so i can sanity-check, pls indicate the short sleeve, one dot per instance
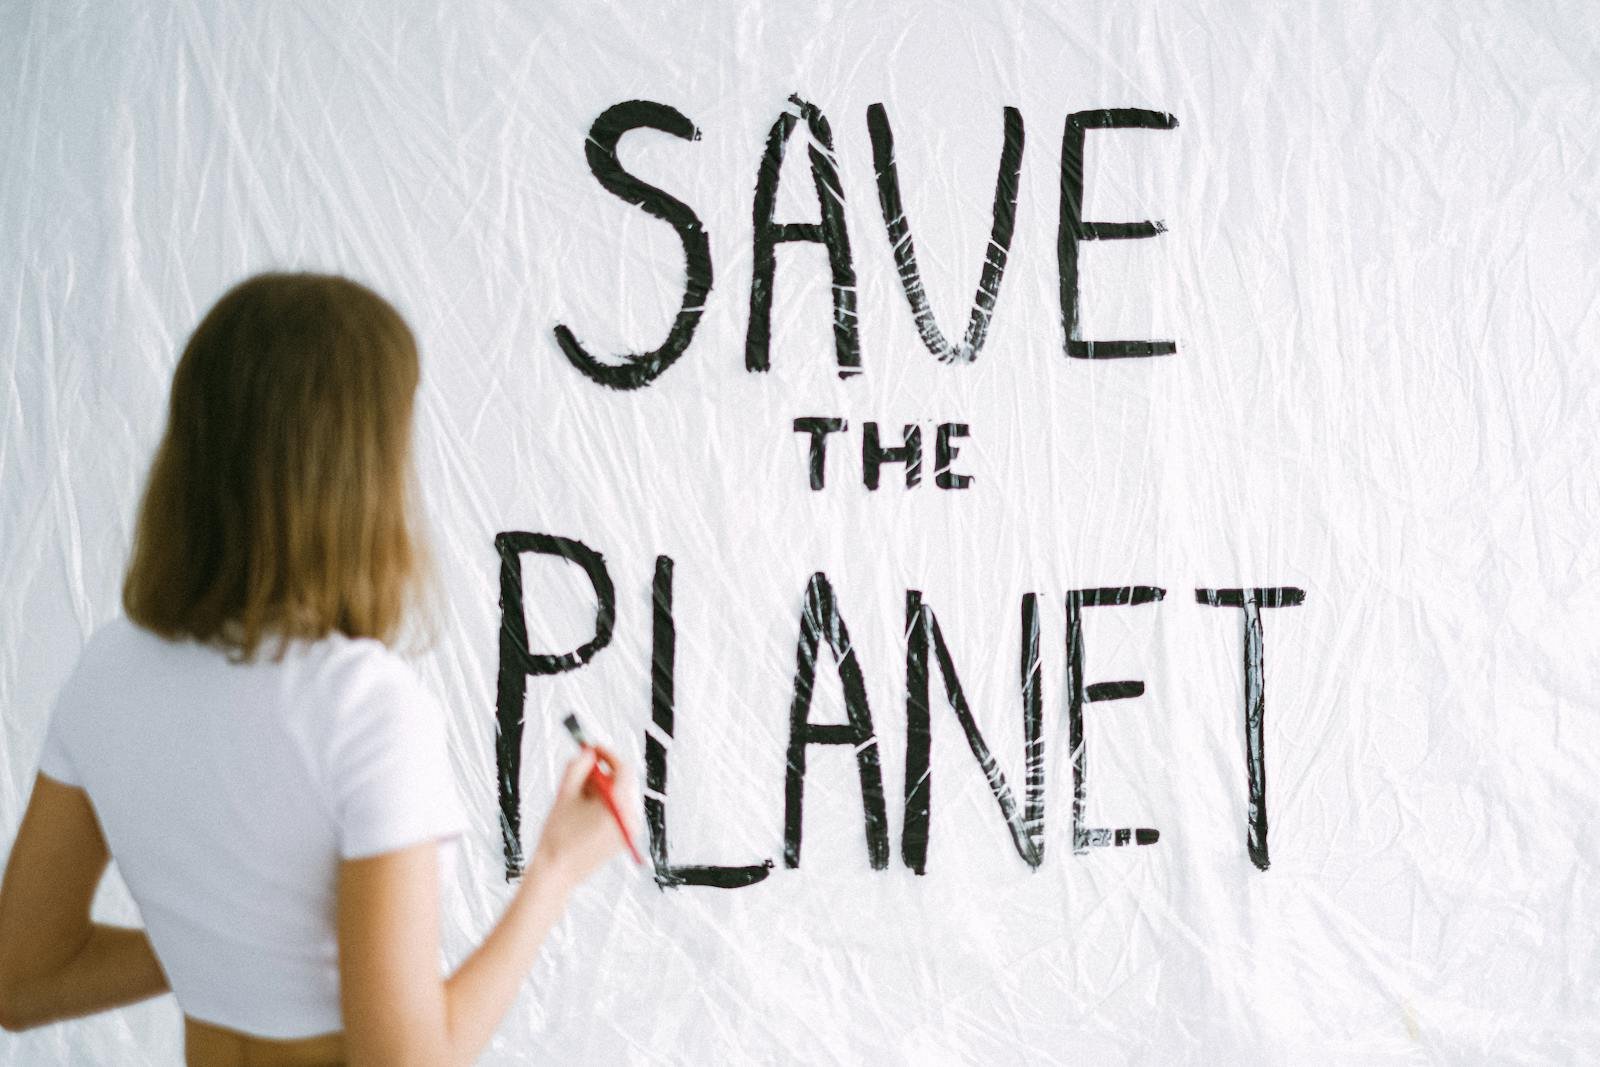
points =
(55, 760)
(390, 778)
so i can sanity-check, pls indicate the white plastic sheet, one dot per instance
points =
(1379, 266)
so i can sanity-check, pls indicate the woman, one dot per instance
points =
(271, 777)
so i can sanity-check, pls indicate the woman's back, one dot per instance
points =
(229, 791)
(275, 818)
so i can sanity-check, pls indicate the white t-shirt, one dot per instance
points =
(228, 792)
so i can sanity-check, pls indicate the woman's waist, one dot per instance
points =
(212, 1045)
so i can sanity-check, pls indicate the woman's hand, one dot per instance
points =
(579, 833)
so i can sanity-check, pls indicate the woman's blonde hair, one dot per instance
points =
(282, 497)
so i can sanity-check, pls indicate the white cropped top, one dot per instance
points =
(228, 793)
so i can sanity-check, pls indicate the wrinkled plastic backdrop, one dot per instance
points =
(1381, 267)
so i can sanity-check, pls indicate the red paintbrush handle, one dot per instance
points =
(602, 782)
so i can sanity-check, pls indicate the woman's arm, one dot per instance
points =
(397, 1009)
(55, 963)
(115, 967)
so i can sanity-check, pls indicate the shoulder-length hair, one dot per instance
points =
(281, 499)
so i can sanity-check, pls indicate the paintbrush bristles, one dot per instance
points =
(571, 723)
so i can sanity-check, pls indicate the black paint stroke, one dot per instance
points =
(1031, 677)
(829, 231)
(923, 632)
(1074, 229)
(517, 661)
(819, 621)
(640, 369)
(945, 455)
(874, 455)
(898, 227)
(819, 428)
(1079, 694)
(1255, 697)
(663, 655)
